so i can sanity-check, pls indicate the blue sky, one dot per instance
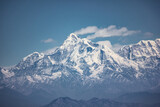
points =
(38, 25)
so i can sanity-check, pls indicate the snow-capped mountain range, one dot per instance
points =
(81, 64)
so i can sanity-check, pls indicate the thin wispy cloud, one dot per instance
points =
(49, 40)
(50, 51)
(116, 47)
(87, 30)
(148, 34)
(109, 31)
(107, 43)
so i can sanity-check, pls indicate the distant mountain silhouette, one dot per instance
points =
(94, 102)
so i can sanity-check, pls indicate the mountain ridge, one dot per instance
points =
(80, 67)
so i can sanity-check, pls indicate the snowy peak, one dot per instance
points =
(7, 73)
(70, 42)
(74, 40)
(30, 59)
(144, 48)
(72, 37)
(157, 41)
(33, 56)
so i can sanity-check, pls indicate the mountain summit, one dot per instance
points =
(80, 67)
(72, 37)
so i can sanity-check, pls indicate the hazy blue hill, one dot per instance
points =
(94, 102)
(65, 102)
